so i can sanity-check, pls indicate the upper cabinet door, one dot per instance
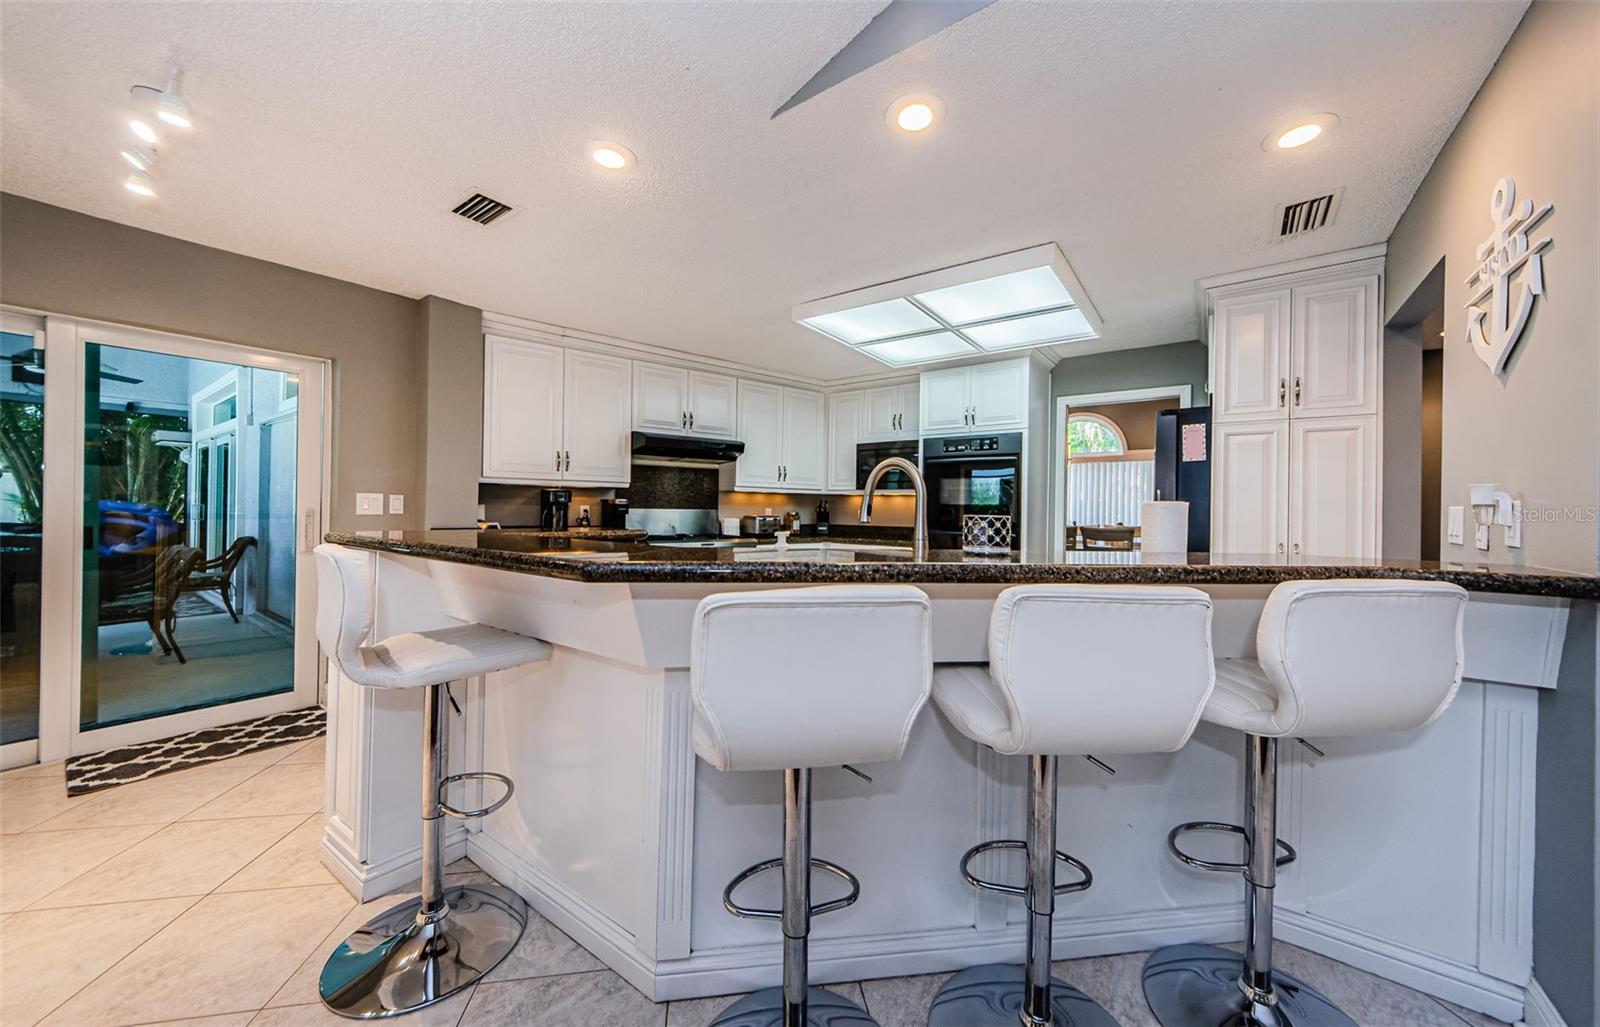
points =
(846, 417)
(1000, 395)
(660, 398)
(946, 400)
(521, 410)
(596, 447)
(1249, 486)
(1333, 487)
(882, 414)
(1250, 352)
(713, 400)
(804, 441)
(761, 431)
(1333, 358)
(908, 406)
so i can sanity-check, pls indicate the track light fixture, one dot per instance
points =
(153, 112)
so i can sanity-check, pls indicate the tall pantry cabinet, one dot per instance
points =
(1295, 379)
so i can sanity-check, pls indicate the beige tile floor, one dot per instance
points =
(198, 898)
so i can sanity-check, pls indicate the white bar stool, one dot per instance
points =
(430, 947)
(790, 680)
(1353, 657)
(1073, 670)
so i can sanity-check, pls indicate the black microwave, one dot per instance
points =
(871, 454)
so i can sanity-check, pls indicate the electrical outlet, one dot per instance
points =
(1480, 535)
(1513, 537)
(1457, 522)
(369, 504)
(397, 504)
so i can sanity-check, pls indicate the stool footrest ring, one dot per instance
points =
(1012, 889)
(470, 814)
(820, 908)
(1289, 855)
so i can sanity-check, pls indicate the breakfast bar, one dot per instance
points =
(622, 838)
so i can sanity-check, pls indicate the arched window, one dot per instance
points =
(1094, 435)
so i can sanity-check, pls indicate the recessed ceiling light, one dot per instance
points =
(611, 156)
(915, 113)
(140, 184)
(1300, 133)
(140, 158)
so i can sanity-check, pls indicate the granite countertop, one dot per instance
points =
(588, 559)
(595, 534)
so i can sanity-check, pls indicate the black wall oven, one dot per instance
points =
(972, 474)
(871, 454)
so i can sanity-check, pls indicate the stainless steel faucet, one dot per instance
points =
(919, 531)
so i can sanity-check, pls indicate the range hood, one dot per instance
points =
(649, 448)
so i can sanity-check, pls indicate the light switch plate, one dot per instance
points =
(397, 504)
(369, 504)
(1457, 522)
(1513, 538)
(1480, 535)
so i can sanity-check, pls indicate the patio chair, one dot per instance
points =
(217, 575)
(173, 566)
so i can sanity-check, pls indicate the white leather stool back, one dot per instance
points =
(344, 605)
(1359, 656)
(809, 677)
(1100, 668)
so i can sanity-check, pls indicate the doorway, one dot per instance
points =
(1413, 429)
(175, 539)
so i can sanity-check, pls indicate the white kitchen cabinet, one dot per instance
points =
(522, 392)
(1249, 487)
(891, 413)
(683, 402)
(713, 403)
(1250, 341)
(1333, 487)
(991, 397)
(1333, 348)
(555, 416)
(785, 438)
(595, 434)
(847, 418)
(760, 466)
(804, 440)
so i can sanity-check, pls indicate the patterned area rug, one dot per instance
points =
(136, 762)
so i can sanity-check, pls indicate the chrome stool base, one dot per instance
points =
(1198, 986)
(393, 964)
(991, 996)
(764, 1008)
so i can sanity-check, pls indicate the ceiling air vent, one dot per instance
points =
(481, 208)
(1296, 219)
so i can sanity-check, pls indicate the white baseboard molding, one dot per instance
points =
(367, 881)
(1540, 1011)
(1427, 973)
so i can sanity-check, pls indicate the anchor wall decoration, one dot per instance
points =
(1500, 257)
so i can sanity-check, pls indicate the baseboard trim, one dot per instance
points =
(1539, 1010)
(1427, 973)
(367, 881)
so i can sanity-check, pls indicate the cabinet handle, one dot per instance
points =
(1296, 390)
(1280, 548)
(1297, 548)
(1283, 392)
(683, 419)
(558, 461)
(691, 420)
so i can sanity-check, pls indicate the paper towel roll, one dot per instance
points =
(1164, 527)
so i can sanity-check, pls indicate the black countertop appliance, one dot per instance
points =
(1183, 467)
(553, 504)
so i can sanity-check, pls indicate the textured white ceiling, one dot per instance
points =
(336, 138)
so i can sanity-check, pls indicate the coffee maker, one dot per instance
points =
(553, 505)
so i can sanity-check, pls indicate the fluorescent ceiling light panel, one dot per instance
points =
(1036, 330)
(1037, 288)
(1013, 301)
(919, 349)
(876, 321)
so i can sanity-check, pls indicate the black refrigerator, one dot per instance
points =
(1183, 467)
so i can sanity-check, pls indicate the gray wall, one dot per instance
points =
(68, 263)
(1177, 363)
(1402, 443)
(1536, 431)
(450, 340)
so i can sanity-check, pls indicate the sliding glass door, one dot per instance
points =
(21, 534)
(178, 538)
